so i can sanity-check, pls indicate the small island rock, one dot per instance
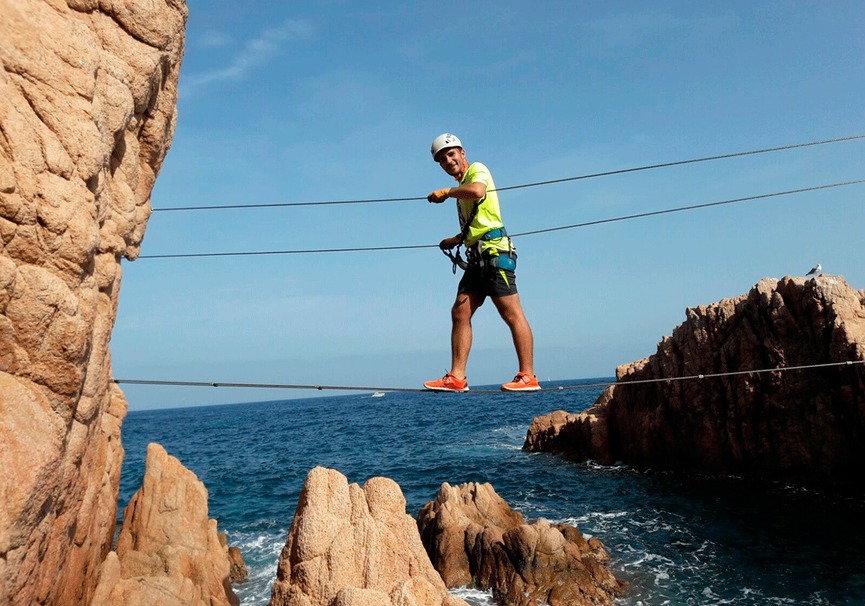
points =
(475, 539)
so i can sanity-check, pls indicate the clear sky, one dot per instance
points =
(332, 100)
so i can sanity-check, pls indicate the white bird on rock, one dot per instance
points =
(815, 270)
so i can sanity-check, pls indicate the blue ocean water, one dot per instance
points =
(674, 540)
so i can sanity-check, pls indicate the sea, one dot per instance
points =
(674, 539)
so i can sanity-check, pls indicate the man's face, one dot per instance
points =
(452, 160)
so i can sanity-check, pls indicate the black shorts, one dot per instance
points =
(488, 280)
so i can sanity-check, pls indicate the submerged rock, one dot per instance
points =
(353, 546)
(805, 425)
(475, 539)
(168, 552)
(238, 572)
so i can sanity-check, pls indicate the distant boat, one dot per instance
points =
(377, 394)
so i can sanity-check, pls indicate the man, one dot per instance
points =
(490, 270)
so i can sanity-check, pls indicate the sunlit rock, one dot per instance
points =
(697, 405)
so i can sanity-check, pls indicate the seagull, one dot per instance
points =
(815, 270)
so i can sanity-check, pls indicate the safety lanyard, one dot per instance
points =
(465, 230)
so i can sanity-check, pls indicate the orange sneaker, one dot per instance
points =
(522, 382)
(448, 383)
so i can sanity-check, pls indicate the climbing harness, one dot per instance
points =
(501, 260)
(456, 259)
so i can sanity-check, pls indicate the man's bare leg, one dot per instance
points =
(511, 311)
(464, 308)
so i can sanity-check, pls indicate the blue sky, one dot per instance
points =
(332, 100)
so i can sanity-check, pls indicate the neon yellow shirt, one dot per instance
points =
(489, 215)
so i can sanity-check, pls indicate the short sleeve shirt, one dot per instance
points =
(489, 215)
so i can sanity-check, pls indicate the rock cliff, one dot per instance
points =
(805, 425)
(168, 551)
(353, 546)
(88, 92)
(475, 539)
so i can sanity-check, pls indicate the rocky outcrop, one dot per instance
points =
(451, 526)
(353, 546)
(805, 425)
(237, 572)
(475, 539)
(168, 551)
(87, 111)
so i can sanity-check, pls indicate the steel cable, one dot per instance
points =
(527, 233)
(608, 173)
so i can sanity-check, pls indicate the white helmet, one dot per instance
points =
(444, 141)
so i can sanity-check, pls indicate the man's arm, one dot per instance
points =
(469, 191)
(452, 242)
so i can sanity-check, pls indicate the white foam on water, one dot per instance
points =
(474, 597)
(514, 447)
(261, 553)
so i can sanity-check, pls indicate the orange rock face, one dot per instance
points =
(802, 425)
(169, 551)
(87, 111)
(475, 539)
(353, 546)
